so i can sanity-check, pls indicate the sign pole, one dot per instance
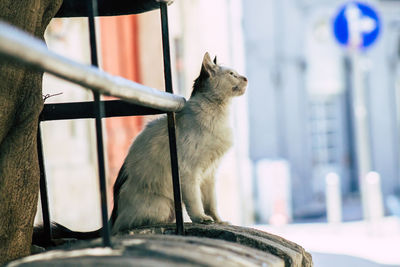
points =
(361, 127)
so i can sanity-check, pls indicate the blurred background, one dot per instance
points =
(317, 134)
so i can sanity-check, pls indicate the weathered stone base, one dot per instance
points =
(203, 245)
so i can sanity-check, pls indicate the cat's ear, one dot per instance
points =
(208, 67)
(215, 60)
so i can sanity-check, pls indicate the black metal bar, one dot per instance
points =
(99, 113)
(77, 8)
(85, 110)
(43, 191)
(171, 122)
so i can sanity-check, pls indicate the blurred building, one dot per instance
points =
(300, 100)
(69, 146)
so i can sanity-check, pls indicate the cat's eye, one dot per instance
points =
(233, 74)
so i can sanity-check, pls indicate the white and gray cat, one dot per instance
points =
(143, 193)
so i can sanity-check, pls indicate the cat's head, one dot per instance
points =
(218, 82)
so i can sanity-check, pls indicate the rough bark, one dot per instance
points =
(20, 106)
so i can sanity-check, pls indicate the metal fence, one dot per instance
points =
(137, 99)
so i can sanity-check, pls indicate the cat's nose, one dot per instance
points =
(244, 79)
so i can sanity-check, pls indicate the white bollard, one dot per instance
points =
(374, 196)
(333, 198)
(274, 192)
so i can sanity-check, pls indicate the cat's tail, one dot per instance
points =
(60, 232)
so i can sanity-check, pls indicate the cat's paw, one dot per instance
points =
(222, 222)
(205, 219)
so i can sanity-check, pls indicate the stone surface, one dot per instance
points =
(202, 245)
(291, 253)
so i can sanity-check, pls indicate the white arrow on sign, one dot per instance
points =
(358, 24)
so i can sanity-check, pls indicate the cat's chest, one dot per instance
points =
(210, 138)
(217, 138)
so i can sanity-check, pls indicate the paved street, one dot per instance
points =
(347, 244)
(335, 260)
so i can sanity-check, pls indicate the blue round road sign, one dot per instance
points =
(356, 25)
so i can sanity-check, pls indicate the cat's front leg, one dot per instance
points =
(209, 198)
(191, 195)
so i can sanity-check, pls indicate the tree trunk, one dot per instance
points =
(20, 105)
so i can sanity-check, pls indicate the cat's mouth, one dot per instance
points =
(239, 90)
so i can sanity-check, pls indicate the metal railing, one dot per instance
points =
(21, 47)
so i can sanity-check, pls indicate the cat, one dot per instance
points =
(143, 193)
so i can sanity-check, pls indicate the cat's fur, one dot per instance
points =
(143, 192)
